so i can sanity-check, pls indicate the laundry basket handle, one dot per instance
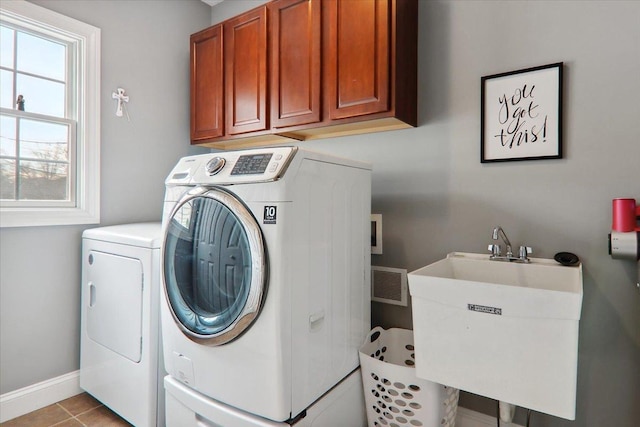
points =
(375, 334)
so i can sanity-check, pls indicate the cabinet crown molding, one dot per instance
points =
(212, 2)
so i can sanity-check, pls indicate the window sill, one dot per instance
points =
(16, 217)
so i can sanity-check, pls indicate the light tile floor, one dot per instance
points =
(77, 411)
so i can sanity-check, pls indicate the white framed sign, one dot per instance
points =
(521, 115)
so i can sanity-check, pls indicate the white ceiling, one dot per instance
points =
(212, 2)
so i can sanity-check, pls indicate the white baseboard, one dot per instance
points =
(468, 418)
(36, 396)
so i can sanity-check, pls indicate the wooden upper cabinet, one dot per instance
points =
(207, 90)
(245, 51)
(305, 69)
(295, 42)
(357, 57)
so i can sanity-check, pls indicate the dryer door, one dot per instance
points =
(214, 266)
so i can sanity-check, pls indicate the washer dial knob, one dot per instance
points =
(215, 165)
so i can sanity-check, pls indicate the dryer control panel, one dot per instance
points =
(236, 167)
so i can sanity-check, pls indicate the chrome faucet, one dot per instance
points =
(496, 249)
(499, 232)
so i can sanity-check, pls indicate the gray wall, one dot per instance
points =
(428, 182)
(145, 49)
(436, 197)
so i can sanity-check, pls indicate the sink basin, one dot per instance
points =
(505, 330)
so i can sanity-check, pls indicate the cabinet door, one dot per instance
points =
(207, 90)
(245, 50)
(295, 62)
(358, 57)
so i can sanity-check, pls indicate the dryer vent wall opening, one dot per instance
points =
(389, 285)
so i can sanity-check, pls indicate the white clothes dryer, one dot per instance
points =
(266, 273)
(120, 350)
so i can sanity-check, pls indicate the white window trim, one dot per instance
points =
(87, 206)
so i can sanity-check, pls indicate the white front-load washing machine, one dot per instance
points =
(266, 273)
(120, 350)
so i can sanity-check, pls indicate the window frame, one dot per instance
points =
(72, 137)
(86, 172)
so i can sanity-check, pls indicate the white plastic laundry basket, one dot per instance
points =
(394, 396)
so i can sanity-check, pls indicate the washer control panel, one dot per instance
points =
(233, 167)
(252, 164)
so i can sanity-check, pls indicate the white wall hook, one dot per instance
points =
(122, 98)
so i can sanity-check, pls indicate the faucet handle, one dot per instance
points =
(525, 251)
(496, 250)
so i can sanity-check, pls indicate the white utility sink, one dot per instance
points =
(505, 330)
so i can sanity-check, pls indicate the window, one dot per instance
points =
(49, 118)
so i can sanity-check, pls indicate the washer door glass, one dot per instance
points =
(214, 266)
